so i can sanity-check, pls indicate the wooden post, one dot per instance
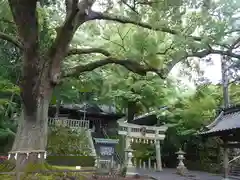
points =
(225, 161)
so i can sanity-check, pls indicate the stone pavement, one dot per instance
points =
(170, 174)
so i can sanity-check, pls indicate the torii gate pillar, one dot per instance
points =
(158, 156)
(127, 144)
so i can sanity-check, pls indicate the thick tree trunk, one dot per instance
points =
(41, 73)
(31, 138)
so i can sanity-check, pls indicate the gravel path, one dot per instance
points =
(170, 174)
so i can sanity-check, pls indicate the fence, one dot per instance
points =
(72, 123)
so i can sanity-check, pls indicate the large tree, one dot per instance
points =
(41, 71)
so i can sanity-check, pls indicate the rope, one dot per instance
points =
(28, 151)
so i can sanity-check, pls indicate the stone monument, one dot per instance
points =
(181, 169)
(130, 168)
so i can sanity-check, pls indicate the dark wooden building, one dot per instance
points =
(99, 116)
(227, 127)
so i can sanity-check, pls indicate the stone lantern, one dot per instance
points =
(130, 169)
(181, 169)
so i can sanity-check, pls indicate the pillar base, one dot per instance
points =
(182, 170)
(131, 171)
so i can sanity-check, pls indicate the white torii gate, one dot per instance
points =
(146, 134)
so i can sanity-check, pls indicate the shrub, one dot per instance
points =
(123, 172)
(84, 161)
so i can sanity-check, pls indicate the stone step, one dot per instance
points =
(234, 177)
(235, 174)
(235, 169)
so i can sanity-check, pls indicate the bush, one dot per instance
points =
(84, 161)
(65, 141)
(52, 176)
(123, 172)
(6, 166)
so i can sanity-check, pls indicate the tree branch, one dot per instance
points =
(76, 14)
(149, 3)
(71, 5)
(127, 63)
(133, 8)
(136, 67)
(225, 53)
(7, 21)
(87, 51)
(25, 17)
(171, 47)
(66, 32)
(102, 16)
(201, 54)
(116, 43)
(235, 44)
(11, 39)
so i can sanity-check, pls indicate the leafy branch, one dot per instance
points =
(77, 51)
(142, 69)
(124, 20)
(11, 39)
(129, 64)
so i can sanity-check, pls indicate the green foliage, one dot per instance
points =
(190, 114)
(6, 166)
(67, 141)
(123, 172)
(83, 161)
(146, 151)
(42, 171)
(9, 93)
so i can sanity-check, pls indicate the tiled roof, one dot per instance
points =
(226, 120)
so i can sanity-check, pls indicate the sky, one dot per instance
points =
(211, 72)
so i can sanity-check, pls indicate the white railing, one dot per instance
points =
(72, 123)
(234, 159)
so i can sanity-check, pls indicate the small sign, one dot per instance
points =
(78, 167)
(106, 151)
